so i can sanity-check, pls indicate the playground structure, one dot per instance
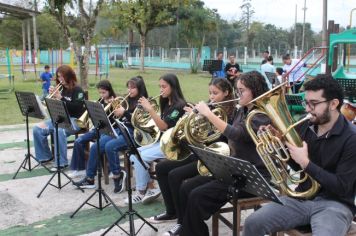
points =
(6, 72)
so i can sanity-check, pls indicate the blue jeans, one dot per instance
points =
(326, 217)
(78, 156)
(148, 154)
(44, 94)
(42, 150)
(111, 146)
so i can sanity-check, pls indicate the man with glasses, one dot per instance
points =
(328, 155)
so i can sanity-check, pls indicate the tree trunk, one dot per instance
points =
(142, 54)
(83, 63)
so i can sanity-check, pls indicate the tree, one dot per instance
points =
(197, 22)
(247, 12)
(145, 15)
(83, 21)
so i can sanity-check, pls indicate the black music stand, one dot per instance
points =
(102, 126)
(60, 119)
(212, 65)
(272, 77)
(240, 175)
(29, 107)
(130, 211)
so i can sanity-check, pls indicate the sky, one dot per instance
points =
(282, 12)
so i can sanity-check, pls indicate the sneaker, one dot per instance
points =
(119, 182)
(77, 174)
(85, 183)
(151, 195)
(175, 231)
(54, 168)
(136, 198)
(162, 218)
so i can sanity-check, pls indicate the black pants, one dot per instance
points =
(204, 200)
(170, 176)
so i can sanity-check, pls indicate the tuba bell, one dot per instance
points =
(271, 148)
(146, 131)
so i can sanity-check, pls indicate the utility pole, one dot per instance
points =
(303, 34)
(325, 20)
(295, 26)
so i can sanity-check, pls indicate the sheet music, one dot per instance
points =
(43, 109)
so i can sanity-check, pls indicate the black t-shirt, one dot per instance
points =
(233, 68)
(74, 99)
(171, 114)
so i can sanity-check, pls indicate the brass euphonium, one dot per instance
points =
(271, 148)
(146, 131)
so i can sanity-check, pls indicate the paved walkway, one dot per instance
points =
(22, 213)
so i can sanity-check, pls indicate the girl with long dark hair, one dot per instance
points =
(171, 103)
(111, 146)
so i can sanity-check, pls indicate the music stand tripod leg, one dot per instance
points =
(99, 190)
(28, 155)
(130, 212)
(59, 170)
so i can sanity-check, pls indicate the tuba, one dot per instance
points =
(146, 131)
(271, 148)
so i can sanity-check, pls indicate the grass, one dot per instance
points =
(194, 86)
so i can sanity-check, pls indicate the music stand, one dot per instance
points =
(271, 77)
(60, 119)
(102, 126)
(240, 175)
(130, 211)
(29, 107)
(212, 65)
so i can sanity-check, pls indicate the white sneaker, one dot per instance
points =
(151, 195)
(136, 198)
(76, 174)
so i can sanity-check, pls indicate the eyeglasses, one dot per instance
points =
(312, 105)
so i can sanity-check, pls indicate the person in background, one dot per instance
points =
(46, 78)
(265, 55)
(294, 68)
(268, 67)
(221, 72)
(232, 70)
(279, 73)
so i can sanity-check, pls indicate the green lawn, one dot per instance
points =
(194, 87)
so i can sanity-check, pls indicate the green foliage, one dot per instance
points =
(11, 33)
